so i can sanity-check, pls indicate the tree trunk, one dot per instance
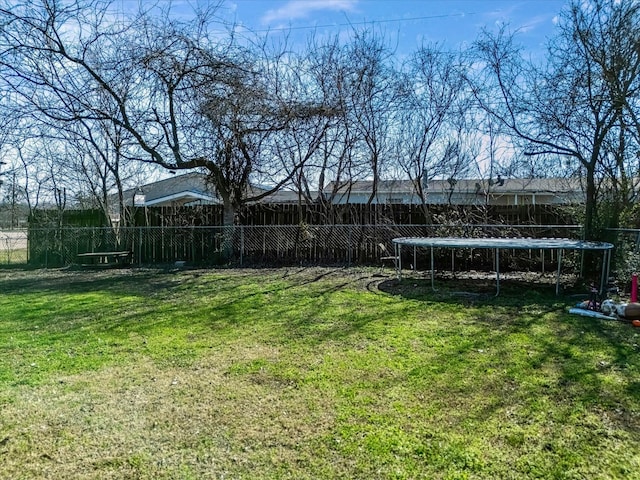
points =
(591, 207)
(228, 229)
(590, 265)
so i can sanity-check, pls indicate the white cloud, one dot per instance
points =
(533, 23)
(304, 8)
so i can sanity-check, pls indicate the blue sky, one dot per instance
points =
(406, 24)
(452, 23)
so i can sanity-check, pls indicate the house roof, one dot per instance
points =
(180, 189)
(280, 196)
(508, 185)
(511, 185)
(193, 188)
(365, 186)
(509, 191)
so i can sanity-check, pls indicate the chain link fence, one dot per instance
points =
(278, 245)
(13, 247)
(627, 251)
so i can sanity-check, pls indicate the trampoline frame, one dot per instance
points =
(496, 244)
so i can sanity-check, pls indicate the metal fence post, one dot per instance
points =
(241, 243)
(349, 248)
(46, 254)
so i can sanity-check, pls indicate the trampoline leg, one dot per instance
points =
(558, 274)
(399, 260)
(433, 287)
(606, 265)
(453, 262)
(497, 260)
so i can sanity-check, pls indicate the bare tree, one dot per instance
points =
(27, 155)
(607, 32)
(262, 123)
(566, 108)
(431, 119)
(189, 100)
(357, 78)
(99, 166)
(337, 161)
(370, 98)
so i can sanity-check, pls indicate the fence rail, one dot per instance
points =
(273, 245)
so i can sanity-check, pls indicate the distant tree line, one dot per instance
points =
(93, 101)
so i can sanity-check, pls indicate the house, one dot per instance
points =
(179, 190)
(192, 189)
(359, 192)
(504, 192)
(397, 199)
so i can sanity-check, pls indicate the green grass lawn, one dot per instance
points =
(16, 256)
(307, 373)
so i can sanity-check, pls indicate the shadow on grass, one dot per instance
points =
(171, 291)
(77, 281)
(522, 343)
(579, 363)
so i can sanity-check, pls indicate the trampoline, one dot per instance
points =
(496, 244)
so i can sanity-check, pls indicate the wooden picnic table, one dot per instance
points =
(122, 257)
